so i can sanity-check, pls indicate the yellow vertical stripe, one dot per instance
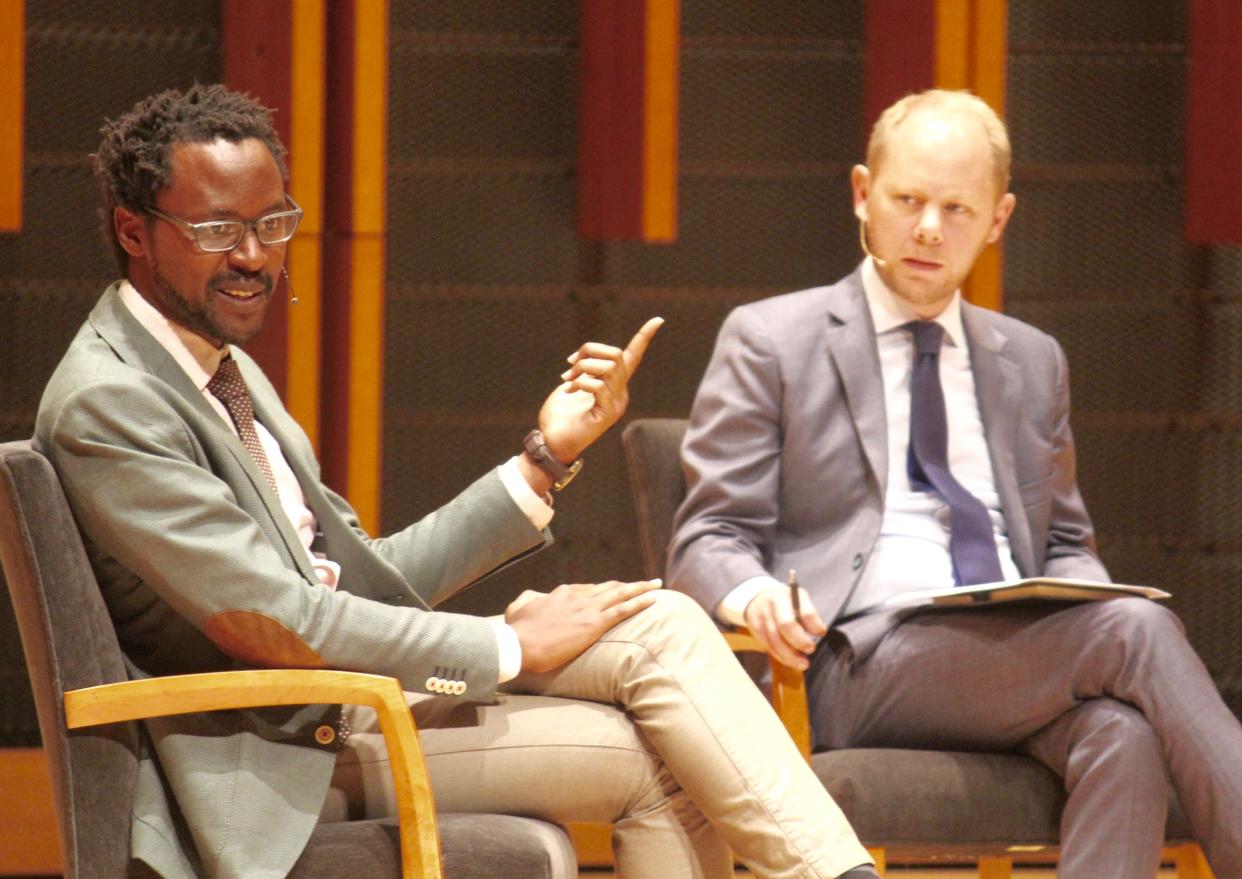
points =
(952, 48)
(12, 112)
(306, 182)
(970, 54)
(660, 87)
(988, 52)
(367, 274)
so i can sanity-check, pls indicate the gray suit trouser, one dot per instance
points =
(1107, 694)
(655, 729)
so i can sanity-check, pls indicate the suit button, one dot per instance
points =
(433, 684)
(325, 734)
(858, 560)
(459, 687)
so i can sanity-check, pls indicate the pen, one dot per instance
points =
(794, 595)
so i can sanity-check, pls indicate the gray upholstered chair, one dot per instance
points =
(906, 805)
(88, 710)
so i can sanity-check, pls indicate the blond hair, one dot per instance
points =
(960, 101)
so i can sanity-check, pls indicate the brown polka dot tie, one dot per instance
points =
(229, 388)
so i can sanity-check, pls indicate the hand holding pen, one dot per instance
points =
(788, 626)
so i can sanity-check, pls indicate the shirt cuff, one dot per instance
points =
(536, 508)
(732, 608)
(509, 649)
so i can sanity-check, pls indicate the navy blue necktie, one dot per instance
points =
(971, 541)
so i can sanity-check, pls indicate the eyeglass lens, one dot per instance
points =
(226, 234)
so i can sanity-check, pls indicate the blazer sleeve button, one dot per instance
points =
(325, 734)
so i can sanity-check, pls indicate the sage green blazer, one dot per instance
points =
(202, 571)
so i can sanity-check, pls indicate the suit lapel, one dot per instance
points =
(852, 349)
(135, 346)
(998, 388)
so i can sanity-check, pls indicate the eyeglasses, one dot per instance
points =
(218, 236)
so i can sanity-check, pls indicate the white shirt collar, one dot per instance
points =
(194, 353)
(889, 311)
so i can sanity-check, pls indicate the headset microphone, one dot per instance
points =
(862, 239)
(293, 297)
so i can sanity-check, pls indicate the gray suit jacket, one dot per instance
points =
(202, 571)
(786, 452)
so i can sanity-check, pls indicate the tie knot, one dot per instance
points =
(927, 336)
(227, 384)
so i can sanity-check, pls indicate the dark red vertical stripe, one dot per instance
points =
(257, 46)
(900, 53)
(1213, 169)
(611, 118)
(337, 258)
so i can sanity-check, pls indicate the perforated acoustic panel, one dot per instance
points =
(85, 60)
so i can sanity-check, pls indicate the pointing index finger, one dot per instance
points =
(638, 345)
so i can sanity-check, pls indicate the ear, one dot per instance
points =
(132, 231)
(1000, 217)
(860, 183)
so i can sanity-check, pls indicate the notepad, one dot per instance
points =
(1033, 588)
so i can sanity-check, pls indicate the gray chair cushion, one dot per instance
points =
(899, 797)
(473, 846)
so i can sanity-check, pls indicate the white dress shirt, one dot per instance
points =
(200, 360)
(912, 551)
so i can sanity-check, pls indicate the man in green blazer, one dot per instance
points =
(217, 546)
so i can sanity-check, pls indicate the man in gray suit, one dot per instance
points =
(881, 436)
(216, 545)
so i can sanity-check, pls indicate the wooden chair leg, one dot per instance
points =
(881, 862)
(995, 868)
(1189, 861)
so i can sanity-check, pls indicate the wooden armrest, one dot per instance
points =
(788, 690)
(182, 694)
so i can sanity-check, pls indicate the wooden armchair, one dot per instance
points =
(905, 805)
(87, 709)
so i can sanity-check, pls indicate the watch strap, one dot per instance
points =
(562, 474)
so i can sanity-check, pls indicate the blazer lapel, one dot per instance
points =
(998, 388)
(135, 346)
(851, 347)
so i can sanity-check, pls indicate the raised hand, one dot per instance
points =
(556, 626)
(593, 394)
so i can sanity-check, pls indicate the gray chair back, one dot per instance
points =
(69, 643)
(653, 458)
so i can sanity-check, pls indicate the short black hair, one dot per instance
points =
(133, 162)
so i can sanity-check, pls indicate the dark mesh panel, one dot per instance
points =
(85, 60)
(1107, 23)
(732, 112)
(1083, 239)
(1130, 113)
(748, 231)
(790, 20)
(489, 287)
(481, 227)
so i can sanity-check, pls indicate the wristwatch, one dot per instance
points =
(562, 474)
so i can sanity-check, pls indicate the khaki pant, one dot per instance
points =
(655, 729)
